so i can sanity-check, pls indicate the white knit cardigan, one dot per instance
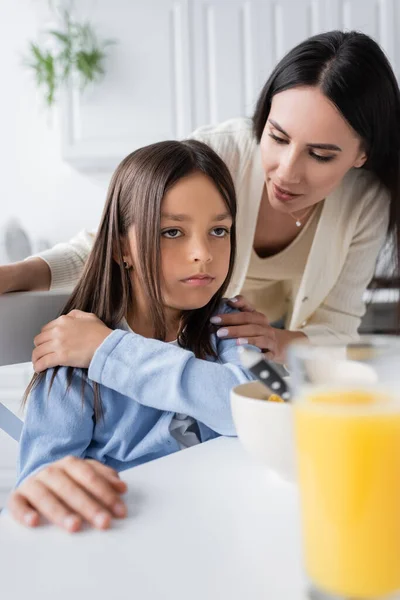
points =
(350, 232)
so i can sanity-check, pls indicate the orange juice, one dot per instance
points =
(348, 449)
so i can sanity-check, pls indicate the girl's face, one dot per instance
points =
(306, 149)
(195, 242)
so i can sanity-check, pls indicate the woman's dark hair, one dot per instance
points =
(354, 74)
(135, 195)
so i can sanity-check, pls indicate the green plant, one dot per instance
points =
(72, 49)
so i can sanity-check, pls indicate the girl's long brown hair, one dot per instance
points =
(135, 194)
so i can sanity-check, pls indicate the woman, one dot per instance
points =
(316, 173)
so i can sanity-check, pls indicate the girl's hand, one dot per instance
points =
(69, 341)
(67, 492)
(252, 327)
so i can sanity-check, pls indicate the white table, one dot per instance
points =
(204, 523)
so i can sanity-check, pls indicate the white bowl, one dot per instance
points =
(264, 428)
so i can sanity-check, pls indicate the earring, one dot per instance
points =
(126, 265)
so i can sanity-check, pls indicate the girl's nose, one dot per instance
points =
(200, 251)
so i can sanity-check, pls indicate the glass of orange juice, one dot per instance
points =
(347, 428)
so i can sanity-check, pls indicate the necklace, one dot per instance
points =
(297, 219)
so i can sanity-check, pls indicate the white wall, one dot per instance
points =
(51, 199)
(54, 200)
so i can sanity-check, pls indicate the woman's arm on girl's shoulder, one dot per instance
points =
(66, 260)
(57, 423)
(169, 378)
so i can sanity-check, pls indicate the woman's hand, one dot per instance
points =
(69, 341)
(68, 492)
(252, 327)
(5, 279)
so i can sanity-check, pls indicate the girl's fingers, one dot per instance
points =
(99, 487)
(101, 468)
(111, 475)
(67, 492)
(77, 313)
(22, 511)
(45, 502)
(42, 350)
(80, 314)
(47, 362)
(42, 338)
(50, 325)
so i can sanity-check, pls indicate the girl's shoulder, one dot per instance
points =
(224, 308)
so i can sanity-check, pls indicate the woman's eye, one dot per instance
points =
(171, 233)
(220, 231)
(321, 158)
(317, 157)
(277, 139)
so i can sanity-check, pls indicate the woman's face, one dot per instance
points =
(306, 149)
(195, 242)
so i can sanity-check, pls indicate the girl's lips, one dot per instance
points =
(198, 281)
(283, 195)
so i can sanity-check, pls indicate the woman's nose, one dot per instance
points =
(289, 169)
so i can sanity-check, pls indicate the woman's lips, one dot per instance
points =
(283, 195)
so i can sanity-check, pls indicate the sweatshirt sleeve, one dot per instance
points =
(66, 260)
(169, 378)
(57, 424)
(339, 316)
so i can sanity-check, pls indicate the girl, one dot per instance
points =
(160, 381)
(317, 175)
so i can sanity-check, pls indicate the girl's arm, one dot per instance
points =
(57, 423)
(153, 373)
(169, 378)
(53, 480)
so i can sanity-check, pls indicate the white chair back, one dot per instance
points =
(22, 315)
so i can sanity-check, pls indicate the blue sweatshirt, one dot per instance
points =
(143, 384)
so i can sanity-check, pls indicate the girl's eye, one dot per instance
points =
(277, 139)
(170, 234)
(321, 158)
(220, 232)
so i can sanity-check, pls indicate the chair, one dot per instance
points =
(22, 315)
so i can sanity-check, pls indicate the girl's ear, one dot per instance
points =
(127, 265)
(121, 252)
